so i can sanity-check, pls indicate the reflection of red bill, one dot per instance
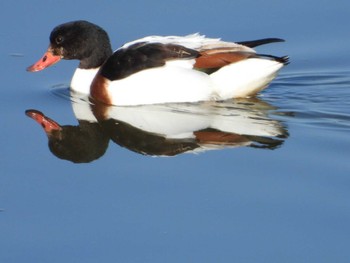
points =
(46, 61)
(48, 124)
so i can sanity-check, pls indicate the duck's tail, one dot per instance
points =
(259, 42)
(254, 43)
(285, 60)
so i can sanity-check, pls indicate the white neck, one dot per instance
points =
(82, 79)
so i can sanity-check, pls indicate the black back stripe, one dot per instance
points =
(140, 56)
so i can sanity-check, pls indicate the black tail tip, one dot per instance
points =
(284, 60)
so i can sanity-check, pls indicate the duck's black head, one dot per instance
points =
(79, 40)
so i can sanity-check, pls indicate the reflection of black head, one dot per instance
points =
(79, 144)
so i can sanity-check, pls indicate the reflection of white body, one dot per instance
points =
(181, 120)
(81, 107)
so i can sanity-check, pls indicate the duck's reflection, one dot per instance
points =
(162, 130)
(80, 144)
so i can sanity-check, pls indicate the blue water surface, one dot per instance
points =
(278, 198)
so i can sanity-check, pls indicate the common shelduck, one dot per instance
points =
(158, 69)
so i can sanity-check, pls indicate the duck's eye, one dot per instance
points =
(59, 40)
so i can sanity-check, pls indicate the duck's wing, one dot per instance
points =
(194, 51)
(209, 53)
(144, 55)
(216, 55)
(194, 41)
(213, 53)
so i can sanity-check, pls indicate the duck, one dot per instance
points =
(160, 69)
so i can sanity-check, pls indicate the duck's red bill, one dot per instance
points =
(48, 124)
(46, 61)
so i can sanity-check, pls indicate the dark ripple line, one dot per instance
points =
(317, 99)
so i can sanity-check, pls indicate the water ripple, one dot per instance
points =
(320, 99)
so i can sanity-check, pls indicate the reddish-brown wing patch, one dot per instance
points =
(213, 59)
(219, 137)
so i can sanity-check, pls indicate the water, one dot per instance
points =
(279, 192)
